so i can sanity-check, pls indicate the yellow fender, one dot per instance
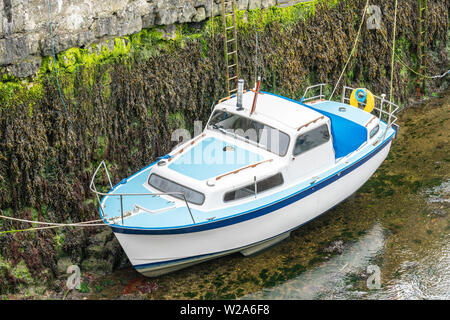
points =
(362, 95)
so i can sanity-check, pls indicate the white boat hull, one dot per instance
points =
(156, 254)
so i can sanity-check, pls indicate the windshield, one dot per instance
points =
(166, 185)
(250, 130)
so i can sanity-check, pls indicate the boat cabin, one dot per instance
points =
(243, 155)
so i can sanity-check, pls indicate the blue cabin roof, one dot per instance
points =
(207, 159)
(347, 126)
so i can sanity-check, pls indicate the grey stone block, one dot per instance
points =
(25, 25)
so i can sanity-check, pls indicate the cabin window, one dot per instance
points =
(166, 185)
(311, 139)
(249, 190)
(374, 131)
(250, 130)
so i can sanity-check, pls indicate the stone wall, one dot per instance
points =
(25, 24)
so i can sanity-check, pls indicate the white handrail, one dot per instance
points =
(380, 102)
(121, 195)
(379, 106)
(320, 96)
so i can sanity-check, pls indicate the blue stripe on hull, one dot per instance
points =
(258, 211)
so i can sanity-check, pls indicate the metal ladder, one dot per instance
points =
(230, 45)
(422, 43)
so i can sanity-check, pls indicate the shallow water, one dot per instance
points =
(401, 218)
(422, 274)
(328, 280)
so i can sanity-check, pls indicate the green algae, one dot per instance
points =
(101, 147)
(21, 272)
(146, 44)
(18, 274)
(151, 42)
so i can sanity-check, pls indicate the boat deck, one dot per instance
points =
(348, 125)
(351, 113)
(164, 211)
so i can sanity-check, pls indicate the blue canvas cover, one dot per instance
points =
(348, 134)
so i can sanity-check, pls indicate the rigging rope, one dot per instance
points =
(256, 47)
(354, 47)
(393, 54)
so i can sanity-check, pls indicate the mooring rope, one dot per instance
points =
(406, 65)
(354, 47)
(29, 229)
(392, 47)
(50, 225)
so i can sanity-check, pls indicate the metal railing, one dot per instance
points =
(382, 106)
(384, 109)
(320, 96)
(122, 195)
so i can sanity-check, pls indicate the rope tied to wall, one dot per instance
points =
(50, 225)
(403, 63)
